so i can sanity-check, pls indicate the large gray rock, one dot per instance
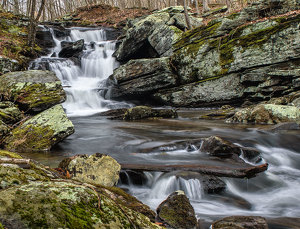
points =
(95, 169)
(154, 35)
(9, 113)
(33, 90)
(41, 132)
(142, 77)
(71, 49)
(177, 212)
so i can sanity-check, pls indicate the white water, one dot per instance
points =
(83, 83)
(272, 194)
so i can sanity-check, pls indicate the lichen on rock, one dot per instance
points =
(41, 132)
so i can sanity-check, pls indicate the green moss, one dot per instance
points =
(9, 154)
(30, 137)
(1, 226)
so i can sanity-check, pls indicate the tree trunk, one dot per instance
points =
(186, 14)
(197, 7)
(205, 6)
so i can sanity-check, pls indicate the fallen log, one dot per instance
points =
(220, 171)
(22, 163)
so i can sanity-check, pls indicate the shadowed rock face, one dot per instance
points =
(33, 91)
(71, 49)
(177, 212)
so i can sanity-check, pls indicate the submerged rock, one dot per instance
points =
(140, 112)
(177, 212)
(98, 169)
(41, 132)
(241, 222)
(65, 205)
(267, 114)
(33, 90)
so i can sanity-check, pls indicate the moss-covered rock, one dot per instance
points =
(65, 205)
(33, 90)
(97, 169)
(267, 114)
(139, 112)
(41, 132)
(9, 113)
(177, 212)
(4, 131)
(8, 65)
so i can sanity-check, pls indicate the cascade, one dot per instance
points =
(83, 82)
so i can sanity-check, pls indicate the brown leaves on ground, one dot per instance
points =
(105, 15)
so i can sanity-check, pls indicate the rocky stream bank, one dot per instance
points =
(248, 59)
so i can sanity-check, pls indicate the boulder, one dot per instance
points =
(177, 212)
(139, 112)
(71, 49)
(8, 65)
(267, 114)
(44, 38)
(241, 222)
(9, 113)
(218, 147)
(4, 131)
(154, 35)
(98, 169)
(139, 78)
(63, 204)
(33, 91)
(41, 132)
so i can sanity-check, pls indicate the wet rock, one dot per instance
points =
(9, 113)
(267, 114)
(218, 147)
(71, 49)
(44, 38)
(177, 212)
(98, 169)
(139, 78)
(33, 90)
(65, 205)
(286, 126)
(41, 132)
(224, 112)
(242, 222)
(210, 184)
(8, 65)
(284, 223)
(140, 112)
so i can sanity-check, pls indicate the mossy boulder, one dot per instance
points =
(41, 132)
(9, 113)
(33, 91)
(267, 114)
(65, 205)
(4, 131)
(98, 169)
(241, 222)
(177, 212)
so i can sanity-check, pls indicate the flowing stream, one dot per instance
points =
(272, 194)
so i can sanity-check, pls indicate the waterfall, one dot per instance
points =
(84, 81)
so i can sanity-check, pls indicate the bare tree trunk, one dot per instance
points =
(205, 6)
(197, 7)
(229, 5)
(186, 14)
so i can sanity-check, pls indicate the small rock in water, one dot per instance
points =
(98, 169)
(177, 212)
(241, 222)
